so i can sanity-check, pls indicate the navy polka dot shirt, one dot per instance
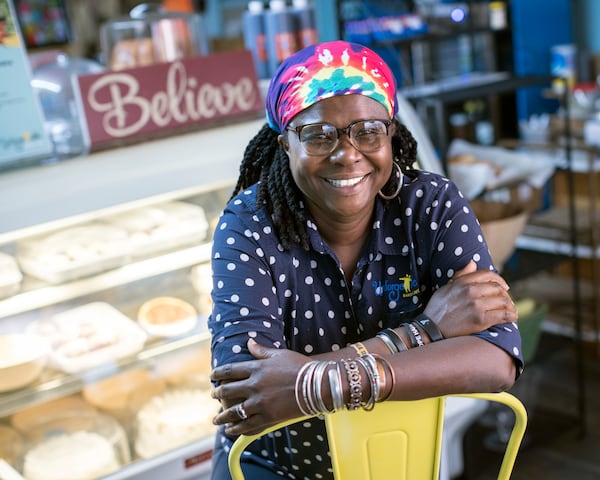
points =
(300, 299)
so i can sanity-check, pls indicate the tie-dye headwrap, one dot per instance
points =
(327, 70)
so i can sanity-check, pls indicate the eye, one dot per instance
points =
(368, 130)
(318, 134)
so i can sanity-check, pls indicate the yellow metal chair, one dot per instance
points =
(395, 441)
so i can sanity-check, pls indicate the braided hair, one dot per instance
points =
(266, 162)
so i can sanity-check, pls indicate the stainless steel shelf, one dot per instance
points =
(129, 272)
(56, 384)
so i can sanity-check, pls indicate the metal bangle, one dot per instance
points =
(335, 385)
(397, 339)
(297, 389)
(384, 337)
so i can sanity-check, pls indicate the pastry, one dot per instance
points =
(167, 316)
(174, 419)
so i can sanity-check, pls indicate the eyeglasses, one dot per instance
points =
(323, 138)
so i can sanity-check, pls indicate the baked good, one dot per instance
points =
(132, 53)
(10, 275)
(122, 395)
(173, 419)
(189, 367)
(167, 316)
(71, 456)
(28, 419)
(162, 227)
(74, 252)
(90, 335)
(11, 446)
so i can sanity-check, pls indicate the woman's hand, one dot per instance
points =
(263, 387)
(473, 301)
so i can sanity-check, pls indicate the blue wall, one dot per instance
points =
(537, 25)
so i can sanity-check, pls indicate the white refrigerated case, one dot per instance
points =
(58, 201)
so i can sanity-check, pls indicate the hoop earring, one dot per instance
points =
(398, 187)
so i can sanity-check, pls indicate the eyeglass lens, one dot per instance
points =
(323, 138)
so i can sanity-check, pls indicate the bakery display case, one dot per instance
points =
(104, 296)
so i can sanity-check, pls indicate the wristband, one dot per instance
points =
(430, 327)
(359, 348)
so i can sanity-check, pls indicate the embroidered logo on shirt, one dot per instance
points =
(407, 288)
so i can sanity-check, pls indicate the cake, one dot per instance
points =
(173, 419)
(71, 456)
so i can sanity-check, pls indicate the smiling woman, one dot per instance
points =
(343, 276)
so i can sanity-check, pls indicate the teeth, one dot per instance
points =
(345, 183)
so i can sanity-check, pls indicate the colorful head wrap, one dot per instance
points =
(327, 70)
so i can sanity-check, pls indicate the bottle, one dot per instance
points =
(280, 32)
(254, 37)
(305, 23)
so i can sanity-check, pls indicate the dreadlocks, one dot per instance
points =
(266, 162)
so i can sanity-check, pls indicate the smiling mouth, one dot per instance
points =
(347, 182)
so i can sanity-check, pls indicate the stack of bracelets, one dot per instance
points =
(380, 373)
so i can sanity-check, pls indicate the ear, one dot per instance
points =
(282, 140)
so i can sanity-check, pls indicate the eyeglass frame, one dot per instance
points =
(346, 130)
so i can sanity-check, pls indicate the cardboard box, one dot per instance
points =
(501, 236)
(503, 215)
(507, 202)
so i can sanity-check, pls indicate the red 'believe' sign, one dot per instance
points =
(126, 106)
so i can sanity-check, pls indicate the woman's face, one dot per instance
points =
(343, 183)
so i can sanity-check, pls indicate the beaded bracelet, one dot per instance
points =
(430, 327)
(370, 367)
(355, 387)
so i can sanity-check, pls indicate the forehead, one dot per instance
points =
(341, 110)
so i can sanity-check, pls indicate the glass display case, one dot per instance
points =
(104, 296)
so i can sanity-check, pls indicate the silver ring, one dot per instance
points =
(241, 412)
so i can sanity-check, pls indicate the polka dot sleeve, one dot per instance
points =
(443, 221)
(245, 304)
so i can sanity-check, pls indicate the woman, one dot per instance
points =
(342, 275)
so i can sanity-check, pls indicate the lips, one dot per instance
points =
(345, 182)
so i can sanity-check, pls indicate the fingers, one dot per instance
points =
(469, 268)
(238, 412)
(478, 276)
(229, 372)
(260, 352)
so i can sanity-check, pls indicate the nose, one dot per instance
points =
(344, 151)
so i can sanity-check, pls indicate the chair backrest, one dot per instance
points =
(398, 440)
